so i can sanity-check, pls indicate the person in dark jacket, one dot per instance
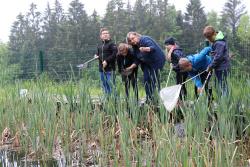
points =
(174, 53)
(106, 53)
(221, 60)
(128, 67)
(151, 59)
(195, 64)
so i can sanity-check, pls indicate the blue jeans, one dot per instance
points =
(151, 82)
(221, 82)
(108, 81)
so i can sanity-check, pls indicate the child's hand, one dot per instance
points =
(104, 64)
(199, 90)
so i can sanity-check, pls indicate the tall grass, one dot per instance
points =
(108, 136)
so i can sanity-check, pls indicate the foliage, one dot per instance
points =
(195, 21)
(7, 70)
(243, 31)
(69, 37)
(232, 12)
(213, 19)
(104, 135)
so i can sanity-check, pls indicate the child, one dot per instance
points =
(221, 60)
(106, 53)
(128, 67)
(173, 56)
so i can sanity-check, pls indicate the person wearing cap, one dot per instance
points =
(196, 64)
(174, 53)
(152, 60)
(221, 60)
(128, 67)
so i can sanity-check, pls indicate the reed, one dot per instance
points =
(107, 135)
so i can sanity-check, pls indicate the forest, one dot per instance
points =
(54, 41)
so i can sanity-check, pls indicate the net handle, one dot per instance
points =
(203, 87)
(169, 73)
(193, 77)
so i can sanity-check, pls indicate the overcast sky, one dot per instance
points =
(9, 9)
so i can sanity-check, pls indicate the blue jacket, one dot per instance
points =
(221, 59)
(155, 58)
(200, 62)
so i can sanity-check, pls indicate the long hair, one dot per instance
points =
(131, 33)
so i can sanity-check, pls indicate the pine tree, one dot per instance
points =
(25, 41)
(94, 29)
(77, 26)
(195, 21)
(139, 15)
(17, 37)
(213, 19)
(232, 12)
(117, 20)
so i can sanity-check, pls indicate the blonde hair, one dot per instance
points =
(131, 33)
(122, 47)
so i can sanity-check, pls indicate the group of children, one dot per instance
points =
(143, 51)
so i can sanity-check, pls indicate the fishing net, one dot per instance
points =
(169, 96)
(82, 66)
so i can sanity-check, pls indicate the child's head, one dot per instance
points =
(104, 34)
(185, 65)
(123, 49)
(169, 43)
(209, 33)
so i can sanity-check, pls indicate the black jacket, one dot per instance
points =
(125, 61)
(107, 51)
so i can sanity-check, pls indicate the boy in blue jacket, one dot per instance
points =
(195, 64)
(151, 59)
(221, 60)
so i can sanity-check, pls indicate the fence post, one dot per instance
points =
(41, 61)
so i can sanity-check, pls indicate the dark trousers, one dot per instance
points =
(221, 82)
(131, 80)
(180, 78)
(151, 82)
(208, 89)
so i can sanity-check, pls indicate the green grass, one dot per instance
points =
(146, 139)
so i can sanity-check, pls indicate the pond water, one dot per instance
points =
(10, 158)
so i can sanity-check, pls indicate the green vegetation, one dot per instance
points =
(145, 139)
(68, 37)
(64, 116)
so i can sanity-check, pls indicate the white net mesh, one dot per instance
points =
(169, 96)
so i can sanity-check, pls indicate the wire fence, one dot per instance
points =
(61, 65)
